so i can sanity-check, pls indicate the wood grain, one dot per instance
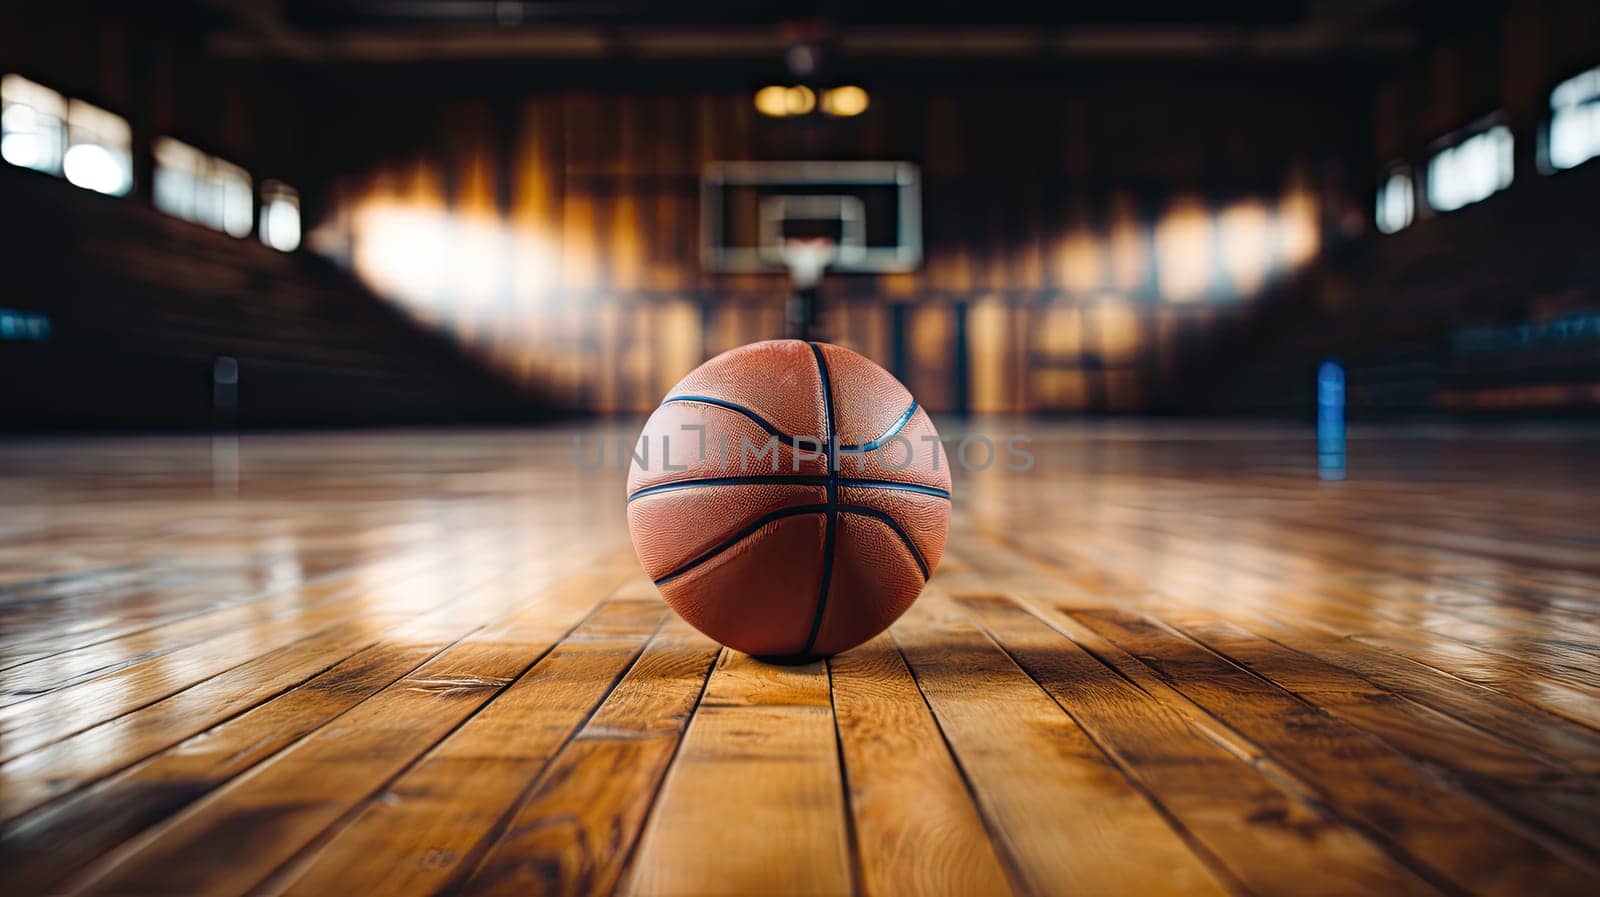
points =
(1433, 823)
(102, 655)
(1168, 660)
(917, 829)
(60, 839)
(1227, 806)
(1047, 766)
(754, 803)
(283, 804)
(417, 835)
(577, 828)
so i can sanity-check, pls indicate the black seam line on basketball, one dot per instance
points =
(892, 432)
(830, 536)
(893, 524)
(872, 445)
(896, 486)
(736, 408)
(780, 480)
(708, 482)
(740, 536)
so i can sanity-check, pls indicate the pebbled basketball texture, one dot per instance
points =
(815, 556)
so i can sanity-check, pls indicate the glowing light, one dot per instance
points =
(1183, 250)
(1396, 202)
(100, 154)
(236, 204)
(19, 118)
(93, 167)
(401, 251)
(1574, 136)
(1582, 88)
(1080, 261)
(20, 146)
(799, 100)
(777, 101)
(31, 129)
(204, 189)
(1298, 231)
(773, 101)
(478, 253)
(280, 216)
(21, 149)
(1128, 264)
(845, 101)
(535, 263)
(1060, 330)
(1472, 170)
(1116, 329)
(37, 122)
(1245, 232)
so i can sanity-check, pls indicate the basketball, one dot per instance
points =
(789, 499)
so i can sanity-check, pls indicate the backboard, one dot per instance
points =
(872, 212)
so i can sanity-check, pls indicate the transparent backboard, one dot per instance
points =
(871, 210)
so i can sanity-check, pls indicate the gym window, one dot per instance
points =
(1470, 170)
(32, 125)
(99, 153)
(1397, 203)
(280, 216)
(194, 186)
(1573, 137)
(45, 131)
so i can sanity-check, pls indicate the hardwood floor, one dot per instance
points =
(1168, 660)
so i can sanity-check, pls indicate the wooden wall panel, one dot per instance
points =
(1050, 252)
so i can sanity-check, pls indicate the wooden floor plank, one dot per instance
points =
(1562, 683)
(57, 671)
(32, 724)
(282, 805)
(1559, 800)
(917, 828)
(754, 801)
(1509, 718)
(40, 851)
(1030, 765)
(68, 764)
(420, 833)
(60, 767)
(1168, 659)
(1226, 804)
(1531, 683)
(28, 725)
(1460, 840)
(1555, 740)
(63, 627)
(1556, 794)
(164, 592)
(577, 828)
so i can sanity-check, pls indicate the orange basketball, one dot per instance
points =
(789, 499)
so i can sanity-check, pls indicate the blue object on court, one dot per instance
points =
(1330, 421)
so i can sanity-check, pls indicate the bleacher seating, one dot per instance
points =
(142, 305)
(1393, 309)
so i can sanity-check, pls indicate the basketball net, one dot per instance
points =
(807, 258)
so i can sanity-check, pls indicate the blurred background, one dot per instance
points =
(233, 213)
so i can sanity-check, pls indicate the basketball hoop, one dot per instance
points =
(807, 258)
(812, 219)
